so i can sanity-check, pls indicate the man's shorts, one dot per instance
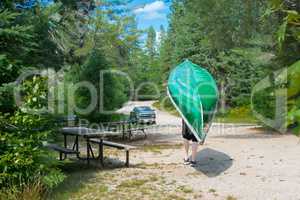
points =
(187, 133)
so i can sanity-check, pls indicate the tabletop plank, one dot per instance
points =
(86, 132)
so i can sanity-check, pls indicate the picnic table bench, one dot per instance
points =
(119, 146)
(62, 151)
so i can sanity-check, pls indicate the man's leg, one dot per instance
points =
(186, 144)
(194, 151)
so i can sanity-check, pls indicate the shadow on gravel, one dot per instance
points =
(212, 163)
(250, 136)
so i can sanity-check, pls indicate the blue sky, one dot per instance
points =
(150, 13)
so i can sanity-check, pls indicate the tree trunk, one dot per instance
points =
(222, 97)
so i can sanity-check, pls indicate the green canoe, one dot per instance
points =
(194, 93)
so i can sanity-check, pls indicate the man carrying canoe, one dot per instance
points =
(194, 93)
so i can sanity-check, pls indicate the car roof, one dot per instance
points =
(143, 108)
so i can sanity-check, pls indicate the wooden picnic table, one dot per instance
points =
(87, 134)
(90, 136)
(126, 128)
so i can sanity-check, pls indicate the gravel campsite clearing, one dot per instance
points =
(238, 161)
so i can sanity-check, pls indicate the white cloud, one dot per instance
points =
(154, 15)
(151, 7)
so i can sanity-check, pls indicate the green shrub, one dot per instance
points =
(7, 103)
(99, 118)
(53, 178)
(243, 112)
(293, 118)
(23, 159)
(264, 103)
(286, 84)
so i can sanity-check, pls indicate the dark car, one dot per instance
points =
(143, 115)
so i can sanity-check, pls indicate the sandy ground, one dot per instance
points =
(241, 161)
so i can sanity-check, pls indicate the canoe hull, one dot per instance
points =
(194, 93)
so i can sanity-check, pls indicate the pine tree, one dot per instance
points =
(15, 45)
(151, 43)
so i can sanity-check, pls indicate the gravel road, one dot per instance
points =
(241, 161)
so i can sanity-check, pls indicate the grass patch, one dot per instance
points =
(231, 198)
(153, 149)
(83, 183)
(158, 148)
(198, 196)
(185, 189)
(153, 179)
(237, 115)
(212, 190)
(133, 183)
(156, 166)
(102, 189)
(144, 165)
(193, 174)
(32, 191)
(80, 180)
(236, 120)
(174, 197)
(168, 107)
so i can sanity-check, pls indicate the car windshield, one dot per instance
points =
(144, 109)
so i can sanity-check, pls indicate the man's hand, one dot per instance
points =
(206, 128)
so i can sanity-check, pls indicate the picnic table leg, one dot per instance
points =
(88, 150)
(127, 158)
(129, 131)
(61, 156)
(123, 131)
(101, 151)
(74, 145)
(65, 145)
(91, 150)
(77, 145)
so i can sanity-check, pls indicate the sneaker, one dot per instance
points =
(193, 163)
(186, 161)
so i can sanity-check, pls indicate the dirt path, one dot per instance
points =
(238, 160)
